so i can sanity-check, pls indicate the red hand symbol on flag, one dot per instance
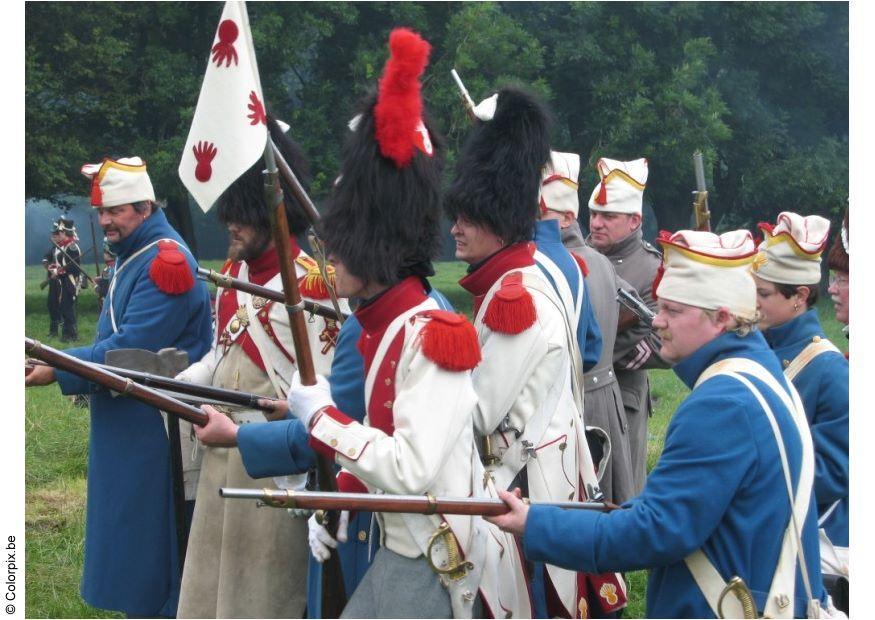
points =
(204, 153)
(224, 49)
(257, 115)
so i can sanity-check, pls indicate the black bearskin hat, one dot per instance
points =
(243, 202)
(498, 173)
(838, 258)
(382, 218)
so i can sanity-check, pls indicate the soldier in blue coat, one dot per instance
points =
(154, 301)
(788, 283)
(717, 504)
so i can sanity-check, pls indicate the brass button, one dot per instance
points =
(392, 363)
(388, 404)
(333, 443)
(362, 536)
(388, 381)
(816, 339)
(351, 452)
(786, 363)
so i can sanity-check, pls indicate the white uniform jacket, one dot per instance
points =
(528, 407)
(417, 438)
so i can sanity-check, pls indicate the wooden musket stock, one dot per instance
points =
(112, 381)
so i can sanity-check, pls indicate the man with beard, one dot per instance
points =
(243, 562)
(154, 302)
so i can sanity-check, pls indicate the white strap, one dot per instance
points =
(712, 585)
(782, 590)
(388, 337)
(279, 368)
(807, 354)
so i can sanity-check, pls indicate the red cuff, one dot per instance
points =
(347, 483)
(336, 414)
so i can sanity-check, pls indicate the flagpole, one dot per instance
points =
(312, 215)
(333, 596)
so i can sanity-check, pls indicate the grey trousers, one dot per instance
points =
(398, 587)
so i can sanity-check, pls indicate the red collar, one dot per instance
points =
(513, 256)
(266, 266)
(376, 316)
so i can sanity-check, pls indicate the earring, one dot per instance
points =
(795, 305)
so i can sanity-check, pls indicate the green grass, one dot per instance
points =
(56, 452)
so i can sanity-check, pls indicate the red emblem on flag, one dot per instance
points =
(256, 110)
(204, 153)
(224, 51)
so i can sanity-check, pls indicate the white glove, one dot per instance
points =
(306, 400)
(321, 540)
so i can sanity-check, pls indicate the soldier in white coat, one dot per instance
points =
(529, 396)
(381, 232)
(243, 562)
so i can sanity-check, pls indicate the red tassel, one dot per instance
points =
(602, 198)
(312, 284)
(170, 271)
(584, 268)
(96, 194)
(766, 227)
(657, 279)
(450, 341)
(512, 309)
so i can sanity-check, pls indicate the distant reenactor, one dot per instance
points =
(67, 256)
(615, 231)
(101, 283)
(52, 280)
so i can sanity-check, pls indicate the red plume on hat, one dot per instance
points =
(399, 106)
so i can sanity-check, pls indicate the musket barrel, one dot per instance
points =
(415, 504)
(699, 168)
(225, 281)
(114, 382)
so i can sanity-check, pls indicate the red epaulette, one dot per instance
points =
(170, 271)
(449, 340)
(512, 309)
(312, 284)
(584, 268)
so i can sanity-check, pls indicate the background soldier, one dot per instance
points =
(603, 401)
(615, 231)
(52, 280)
(67, 256)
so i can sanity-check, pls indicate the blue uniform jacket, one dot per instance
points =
(823, 387)
(131, 562)
(281, 448)
(589, 336)
(718, 486)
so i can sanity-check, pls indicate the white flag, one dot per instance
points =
(229, 129)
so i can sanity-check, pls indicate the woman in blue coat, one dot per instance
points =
(788, 282)
(154, 301)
